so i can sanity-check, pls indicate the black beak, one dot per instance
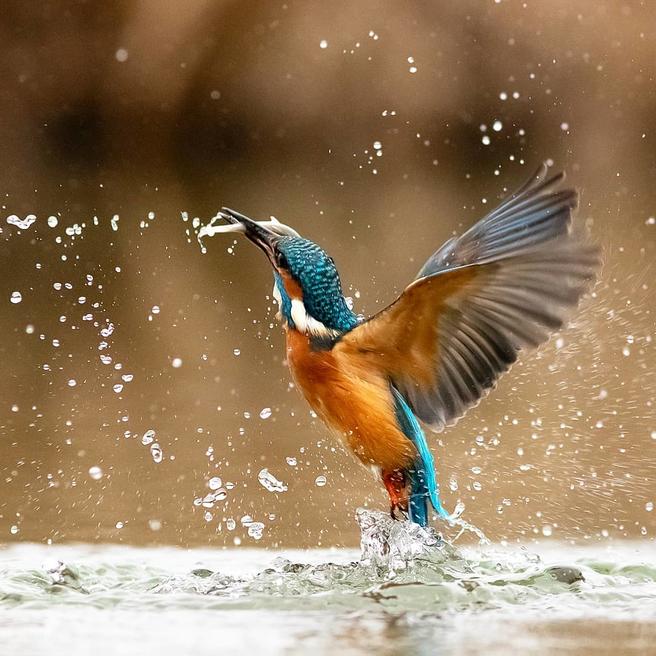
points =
(258, 234)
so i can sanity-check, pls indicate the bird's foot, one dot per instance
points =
(398, 513)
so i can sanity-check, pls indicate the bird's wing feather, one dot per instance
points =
(504, 285)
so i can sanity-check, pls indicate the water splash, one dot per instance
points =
(389, 544)
(322, 602)
(215, 227)
(402, 568)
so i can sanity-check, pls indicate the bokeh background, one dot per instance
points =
(376, 128)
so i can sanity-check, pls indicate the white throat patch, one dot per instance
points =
(307, 324)
(304, 323)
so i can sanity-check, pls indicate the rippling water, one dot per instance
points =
(406, 591)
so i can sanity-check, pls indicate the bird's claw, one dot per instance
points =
(397, 513)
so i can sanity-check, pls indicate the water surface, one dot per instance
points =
(406, 591)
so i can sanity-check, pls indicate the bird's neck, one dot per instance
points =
(323, 319)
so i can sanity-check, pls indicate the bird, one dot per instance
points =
(499, 289)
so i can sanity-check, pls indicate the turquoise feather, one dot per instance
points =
(423, 482)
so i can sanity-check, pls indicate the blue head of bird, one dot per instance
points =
(306, 287)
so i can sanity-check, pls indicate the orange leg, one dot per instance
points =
(396, 484)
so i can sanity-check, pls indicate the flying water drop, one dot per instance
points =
(23, 224)
(95, 472)
(255, 530)
(156, 452)
(148, 437)
(270, 482)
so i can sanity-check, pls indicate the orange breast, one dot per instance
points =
(352, 399)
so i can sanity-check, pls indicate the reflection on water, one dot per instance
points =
(406, 592)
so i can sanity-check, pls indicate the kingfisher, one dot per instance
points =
(500, 288)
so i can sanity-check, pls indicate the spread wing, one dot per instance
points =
(504, 285)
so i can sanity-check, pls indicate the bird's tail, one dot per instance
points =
(423, 483)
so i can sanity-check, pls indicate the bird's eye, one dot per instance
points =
(282, 260)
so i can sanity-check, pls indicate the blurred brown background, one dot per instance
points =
(125, 108)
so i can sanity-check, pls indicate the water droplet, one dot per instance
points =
(155, 309)
(16, 297)
(564, 126)
(270, 482)
(52, 221)
(120, 525)
(14, 529)
(154, 524)
(72, 382)
(265, 413)
(291, 461)
(95, 472)
(107, 331)
(649, 506)
(23, 224)
(486, 140)
(127, 377)
(547, 530)
(231, 524)
(497, 126)
(255, 530)
(214, 483)
(323, 44)
(156, 452)
(121, 55)
(176, 363)
(118, 388)
(320, 481)
(236, 351)
(148, 437)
